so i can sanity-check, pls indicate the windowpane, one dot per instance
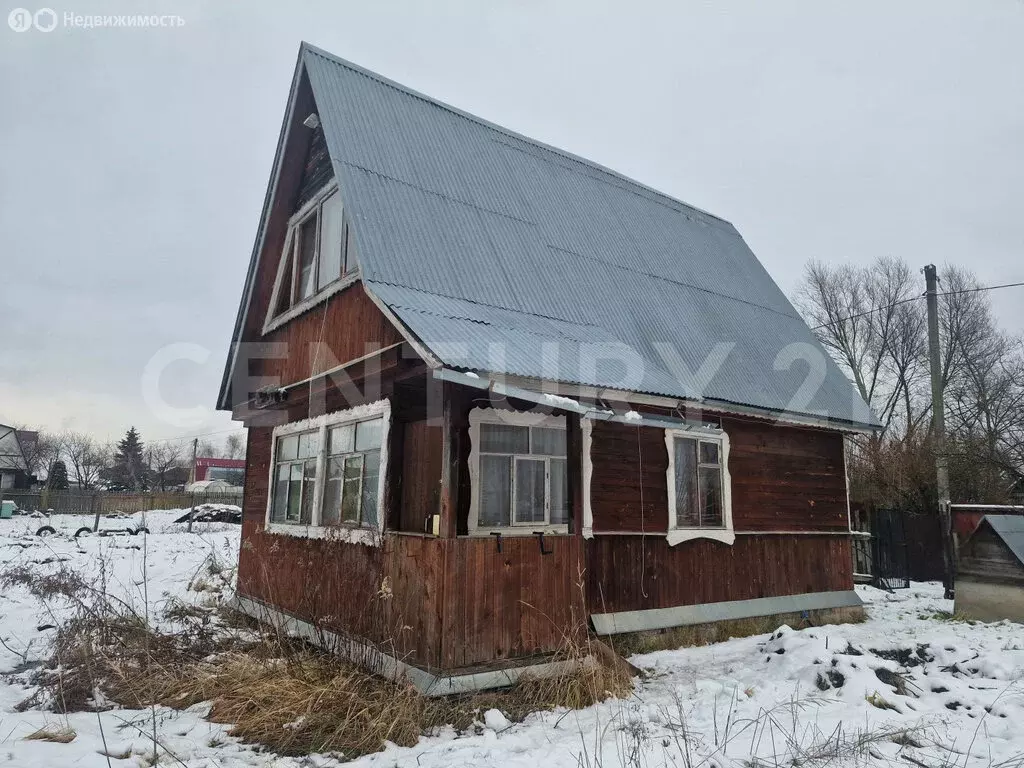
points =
(529, 491)
(308, 492)
(711, 497)
(687, 510)
(309, 444)
(305, 276)
(294, 492)
(371, 480)
(280, 506)
(548, 442)
(350, 492)
(331, 513)
(504, 438)
(330, 240)
(495, 490)
(709, 453)
(559, 498)
(368, 435)
(287, 447)
(343, 439)
(349, 256)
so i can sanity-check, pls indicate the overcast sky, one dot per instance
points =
(133, 162)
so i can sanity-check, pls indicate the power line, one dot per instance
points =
(982, 288)
(915, 298)
(195, 437)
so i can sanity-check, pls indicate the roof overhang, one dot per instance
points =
(568, 397)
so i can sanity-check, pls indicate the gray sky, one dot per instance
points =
(134, 161)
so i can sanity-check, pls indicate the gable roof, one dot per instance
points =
(1009, 528)
(11, 454)
(498, 253)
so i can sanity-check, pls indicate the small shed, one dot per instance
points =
(990, 575)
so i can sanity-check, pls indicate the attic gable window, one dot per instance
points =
(699, 487)
(316, 255)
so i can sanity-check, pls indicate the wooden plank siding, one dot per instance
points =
(986, 557)
(389, 595)
(783, 478)
(513, 603)
(630, 573)
(456, 601)
(346, 327)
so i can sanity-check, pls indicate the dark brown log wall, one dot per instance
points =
(783, 478)
(349, 325)
(630, 573)
(434, 602)
(421, 475)
(517, 602)
(389, 594)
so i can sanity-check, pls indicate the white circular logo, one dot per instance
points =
(45, 20)
(20, 20)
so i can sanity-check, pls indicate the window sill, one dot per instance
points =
(549, 530)
(305, 305)
(348, 534)
(679, 535)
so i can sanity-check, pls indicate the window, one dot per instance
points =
(698, 487)
(316, 252)
(328, 472)
(518, 471)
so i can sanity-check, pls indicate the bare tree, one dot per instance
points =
(867, 319)
(871, 321)
(87, 457)
(208, 449)
(234, 446)
(41, 453)
(164, 458)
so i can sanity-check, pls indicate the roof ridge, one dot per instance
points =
(502, 129)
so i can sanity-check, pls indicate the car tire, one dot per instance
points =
(140, 529)
(84, 530)
(45, 530)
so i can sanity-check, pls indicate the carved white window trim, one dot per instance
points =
(678, 534)
(355, 534)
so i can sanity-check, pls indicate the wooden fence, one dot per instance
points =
(74, 501)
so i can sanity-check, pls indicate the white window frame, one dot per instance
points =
(356, 534)
(479, 416)
(285, 279)
(676, 533)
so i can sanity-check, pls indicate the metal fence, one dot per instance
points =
(70, 502)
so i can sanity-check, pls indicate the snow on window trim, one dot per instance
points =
(677, 533)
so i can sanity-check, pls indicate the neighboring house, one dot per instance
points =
(497, 393)
(14, 471)
(209, 468)
(990, 570)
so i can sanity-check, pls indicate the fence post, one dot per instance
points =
(192, 513)
(96, 510)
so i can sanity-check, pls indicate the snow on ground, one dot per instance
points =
(794, 693)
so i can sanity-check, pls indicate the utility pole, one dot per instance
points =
(939, 428)
(192, 479)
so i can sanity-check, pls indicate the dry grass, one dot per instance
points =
(274, 691)
(719, 631)
(56, 733)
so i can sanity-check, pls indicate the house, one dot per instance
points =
(211, 468)
(14, 470)
(498, 395)
(990, 570)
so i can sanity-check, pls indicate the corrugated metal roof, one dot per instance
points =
(1010, 528)
(502, 254)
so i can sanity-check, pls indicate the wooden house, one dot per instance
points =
(990, 570)
(498, 395)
